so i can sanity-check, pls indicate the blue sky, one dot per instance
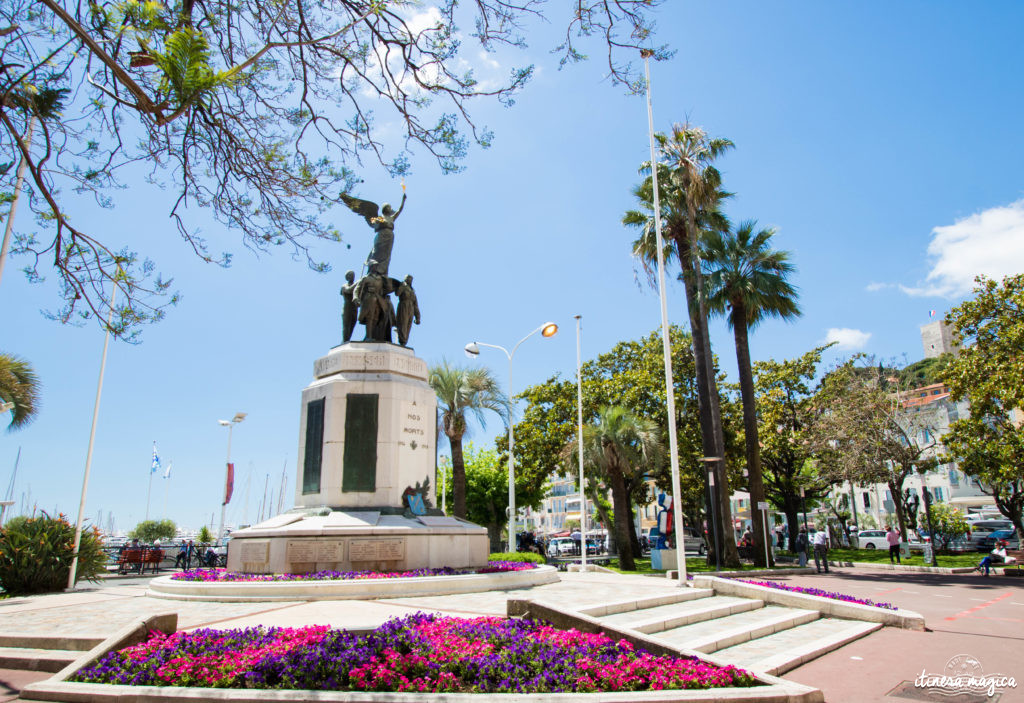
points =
(882, 140)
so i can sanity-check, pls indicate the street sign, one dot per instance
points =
(762, 505)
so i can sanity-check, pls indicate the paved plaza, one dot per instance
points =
(966, 614)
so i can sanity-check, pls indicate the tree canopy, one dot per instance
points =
(257, 112)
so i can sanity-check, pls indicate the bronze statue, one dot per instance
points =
(375, 309)
(350, 309)
(383, 224)
(408, 309)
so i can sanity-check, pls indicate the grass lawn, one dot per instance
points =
(881, 556)
(693, 565)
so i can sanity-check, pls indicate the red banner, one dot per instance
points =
(230, 487)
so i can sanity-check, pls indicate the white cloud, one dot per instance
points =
(989, 243)
(847, 338)
(874, 287)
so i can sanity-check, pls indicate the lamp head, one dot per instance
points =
(238, 417)
(472, 350)
(223, 423)
(550, 329)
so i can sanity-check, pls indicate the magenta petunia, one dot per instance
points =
(222, 575)
(819, 592)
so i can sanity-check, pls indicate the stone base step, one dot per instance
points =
(30, 659)
(624, 606)
(77, 643)
(713, 635)
(665, 617)
(778, 653)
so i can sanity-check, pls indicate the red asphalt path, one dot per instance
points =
(966, 613)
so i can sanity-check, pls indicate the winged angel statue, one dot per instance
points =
(383, 223)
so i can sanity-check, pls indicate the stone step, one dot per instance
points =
(77, 643)
(778, 653)
(30, 659)
(623, 606)
(713, 635)
(665, 617)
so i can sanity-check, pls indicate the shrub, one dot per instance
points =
(36, 554)
(204, 536)
(517, 556)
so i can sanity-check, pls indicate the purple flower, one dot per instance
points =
(819, 592)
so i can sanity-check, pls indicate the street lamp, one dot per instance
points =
(548, 329)
(579, 443)
(230, 424)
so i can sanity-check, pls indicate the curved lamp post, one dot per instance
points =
(548, 329)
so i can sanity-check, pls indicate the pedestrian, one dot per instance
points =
(820, 542)
(996, 556)
(892, 536)
(801, 546)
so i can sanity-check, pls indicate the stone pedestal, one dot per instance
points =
(365, 490)
(368, 430)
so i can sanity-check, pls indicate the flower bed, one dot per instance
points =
(819, 592)
(222, 575)
(421, 652)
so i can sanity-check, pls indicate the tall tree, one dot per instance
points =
(259, 114)
(19, 385)
(786, 410)
(460, 389)
(619, 446)
(689, 195)
(989, 373)
(747, 282)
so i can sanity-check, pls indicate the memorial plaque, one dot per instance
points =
(300, 552)
(376, 550)
(313, 457)
(332, 551)
(254, 552)
(359, 464)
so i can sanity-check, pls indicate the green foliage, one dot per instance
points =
(487, 489)
(36, 554)
(529, 557)
(949, 524)
(19, 385)
(150, 531)
(185, 62)
(204, 536)
(989, 444)
(925, 372)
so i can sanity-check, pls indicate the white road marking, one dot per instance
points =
(1015, 603)
(914, 592)
(860, 659)
(980, 600)
(938, 596)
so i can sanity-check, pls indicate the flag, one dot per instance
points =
(167, 473)
(156, 461)
(931, 313)
(230, 487)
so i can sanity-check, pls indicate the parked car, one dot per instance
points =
(872, 539)
(693, 541)
(988, 542)
(982, 529)
(960, 544)
(561, 546)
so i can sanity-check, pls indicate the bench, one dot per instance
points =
(138, 559)
(1014, 568)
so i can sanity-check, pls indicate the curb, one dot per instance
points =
(674, 574)
(354, 589)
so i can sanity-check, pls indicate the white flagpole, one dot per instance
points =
(673, 441)
(152, 470)
(579, 443)
(92, 440)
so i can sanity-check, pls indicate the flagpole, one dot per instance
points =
(152, 470)
(167, 486)
(92, 440)
(670, 395)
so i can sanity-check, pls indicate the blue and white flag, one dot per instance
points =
(156, 461)
(167, 473)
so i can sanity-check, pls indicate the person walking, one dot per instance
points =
(820, 542)
(801, 546)
(892, 536)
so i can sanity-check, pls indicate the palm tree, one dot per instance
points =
(619, 447)
(19, 385)
(460, 389)
(747, 282)
(690, 195)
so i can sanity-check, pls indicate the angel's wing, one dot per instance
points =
(360, 207)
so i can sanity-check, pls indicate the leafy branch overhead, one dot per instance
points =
(259, 112)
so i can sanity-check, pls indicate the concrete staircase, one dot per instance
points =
(42, 653)
(745, 632)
